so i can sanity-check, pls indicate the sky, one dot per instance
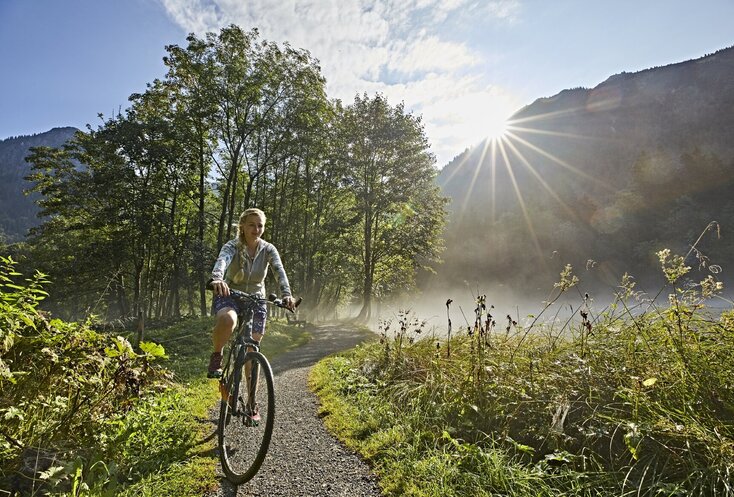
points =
(464, 66)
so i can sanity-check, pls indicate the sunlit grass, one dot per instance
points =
(634, 399)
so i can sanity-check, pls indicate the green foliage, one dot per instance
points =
(84, 413)
(637, 400)
(397, 210)
(237, 121)
(67, 393)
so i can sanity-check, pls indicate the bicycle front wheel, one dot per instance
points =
(246, 417)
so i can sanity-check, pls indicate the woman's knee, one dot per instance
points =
(226, 319)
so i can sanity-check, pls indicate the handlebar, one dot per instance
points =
(272, 298)
(275, 301)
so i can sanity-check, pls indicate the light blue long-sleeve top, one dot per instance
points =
(245, 273)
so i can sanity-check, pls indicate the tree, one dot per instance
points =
(398, 212)
(256, 92)
(190, 79)
(121, 213)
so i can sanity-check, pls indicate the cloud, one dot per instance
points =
(396, 47)
(429, 54)
(197, 16)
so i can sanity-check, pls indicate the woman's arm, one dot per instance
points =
(279, 271)
(226, 254)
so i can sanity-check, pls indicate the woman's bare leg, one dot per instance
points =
(223, 328)
(225, 324)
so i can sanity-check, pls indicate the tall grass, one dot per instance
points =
(635, 400)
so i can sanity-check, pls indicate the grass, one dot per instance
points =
(636, 400)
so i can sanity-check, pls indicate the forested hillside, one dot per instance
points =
(18, 211)
(600, 178)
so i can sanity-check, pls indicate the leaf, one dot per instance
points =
(28, 321)
(153, 349)
(110, 352)
(649, 382)
(13, 412)
(525, 448)
(632, 440)
(51, 473)
(562, 456)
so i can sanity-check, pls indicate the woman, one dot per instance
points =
(243, 264)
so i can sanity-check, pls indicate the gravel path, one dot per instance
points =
(304, 459)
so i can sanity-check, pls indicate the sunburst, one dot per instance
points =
(505, 142)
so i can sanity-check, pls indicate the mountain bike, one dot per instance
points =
(247, 406)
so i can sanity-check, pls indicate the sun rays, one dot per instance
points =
(512, 149)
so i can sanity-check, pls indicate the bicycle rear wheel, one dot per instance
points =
(244, 439)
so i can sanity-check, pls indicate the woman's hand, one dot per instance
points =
(289, 303)
(220, 287)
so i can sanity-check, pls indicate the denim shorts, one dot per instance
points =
(259, 313)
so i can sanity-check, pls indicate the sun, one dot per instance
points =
(489, 117)
(495, 126)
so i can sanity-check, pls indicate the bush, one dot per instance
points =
(65, 391)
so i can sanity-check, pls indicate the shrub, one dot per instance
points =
(63, 390)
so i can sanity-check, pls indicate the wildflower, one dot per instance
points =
(710, 287)
(673, 267)
(568, 279)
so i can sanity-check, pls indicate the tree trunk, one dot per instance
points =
(138, 287)
(364, 314)
(232, 200)
(223, 213)
(200, 271)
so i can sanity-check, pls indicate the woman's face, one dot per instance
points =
(253, 227)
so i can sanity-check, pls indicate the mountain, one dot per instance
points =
(17, 210)
(602, 179)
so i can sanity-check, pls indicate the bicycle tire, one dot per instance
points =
(243, 444)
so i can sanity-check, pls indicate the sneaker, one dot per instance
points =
(215, 366)
(252, 415)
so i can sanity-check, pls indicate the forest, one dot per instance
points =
(135, 210)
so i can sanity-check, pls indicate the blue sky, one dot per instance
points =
(463, 65)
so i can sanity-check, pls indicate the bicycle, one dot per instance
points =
(245, 405)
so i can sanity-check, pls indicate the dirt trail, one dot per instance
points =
(304, 459)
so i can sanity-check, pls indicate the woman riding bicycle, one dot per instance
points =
(243, 264)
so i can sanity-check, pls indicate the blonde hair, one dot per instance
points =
(252, 211)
